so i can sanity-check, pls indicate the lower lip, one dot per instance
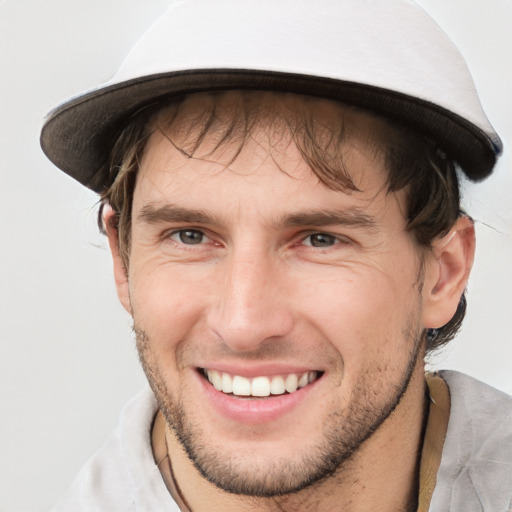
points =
(255, 411)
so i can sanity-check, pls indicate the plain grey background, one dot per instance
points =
(67, 357)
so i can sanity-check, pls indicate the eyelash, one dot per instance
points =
(331, 239)
(334, 240)
(180, 232)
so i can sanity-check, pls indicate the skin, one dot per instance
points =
(255, 296)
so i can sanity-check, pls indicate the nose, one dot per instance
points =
(249, 306)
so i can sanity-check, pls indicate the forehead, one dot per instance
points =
(242, 148)
(323, 133)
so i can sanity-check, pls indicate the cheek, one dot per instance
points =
(364, 313)
(167, 302)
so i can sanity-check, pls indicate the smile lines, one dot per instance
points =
(259, 386)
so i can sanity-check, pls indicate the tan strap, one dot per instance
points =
(435, 434)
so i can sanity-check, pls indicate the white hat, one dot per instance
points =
(386, 56)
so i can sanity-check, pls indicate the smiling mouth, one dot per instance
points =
(260, 387)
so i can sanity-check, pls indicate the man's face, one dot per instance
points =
(254, 277)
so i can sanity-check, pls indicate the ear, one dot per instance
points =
(447, 273)
(120, 270)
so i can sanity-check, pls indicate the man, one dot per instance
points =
(279, 191)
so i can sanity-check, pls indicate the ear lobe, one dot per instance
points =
(447, 273)
(120, 270)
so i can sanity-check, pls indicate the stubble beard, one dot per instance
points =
(344, 432)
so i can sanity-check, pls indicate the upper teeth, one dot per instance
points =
(259, 386)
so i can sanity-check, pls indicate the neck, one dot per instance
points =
(381, 475)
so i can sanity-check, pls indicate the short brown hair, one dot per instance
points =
(414, 163)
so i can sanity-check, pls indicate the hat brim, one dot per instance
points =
(78, 136)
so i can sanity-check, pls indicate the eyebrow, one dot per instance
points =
(152, 214)
(355, 217)
(347, 217)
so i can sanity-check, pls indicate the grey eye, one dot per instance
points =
(190, 236)
(321, 240)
